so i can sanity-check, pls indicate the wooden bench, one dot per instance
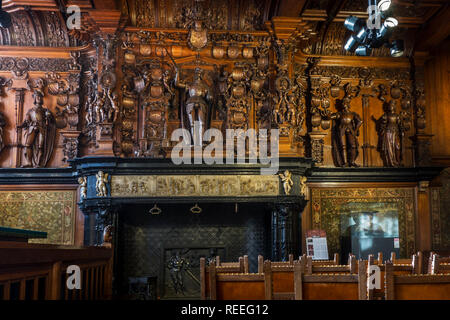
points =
(241, 266)
(329, 286)
(238, 286)
(416, 287)
(38, 272)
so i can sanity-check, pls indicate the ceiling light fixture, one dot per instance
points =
(373, 33)
(384, 5)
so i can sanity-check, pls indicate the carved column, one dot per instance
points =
(106, 107)
(68, 93)
(317, 100)
(284, 227)
(421, 140)
(19, 84)
(366, 86)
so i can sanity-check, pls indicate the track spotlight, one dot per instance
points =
(397, 48)
(361, 35)
(368, 36)
(351, 44)
(390, 22)
(363, 51)
(353, 23)
(384, 5)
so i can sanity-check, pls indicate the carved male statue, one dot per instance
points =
(345, 134)
(197, 104)
(40, 133)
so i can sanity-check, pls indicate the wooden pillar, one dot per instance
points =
(54, 292)
(423, 217)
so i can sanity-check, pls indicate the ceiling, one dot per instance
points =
(423, 24)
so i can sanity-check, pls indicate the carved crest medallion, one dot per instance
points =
(198, 38)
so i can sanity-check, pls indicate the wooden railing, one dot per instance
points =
(39, 272)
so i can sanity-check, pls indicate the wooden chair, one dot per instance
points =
(238, 286)
(398, 269)
(312, 268)
(274, 263)
(416, 287)
(221, 267)
(282, 280)
(329, 286)
(438, 265)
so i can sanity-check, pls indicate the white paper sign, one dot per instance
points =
(317, 248)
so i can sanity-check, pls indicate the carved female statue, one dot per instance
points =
(390, 132)
(345, 134)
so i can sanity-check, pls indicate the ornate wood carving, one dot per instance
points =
(391, 129)
(40, 132)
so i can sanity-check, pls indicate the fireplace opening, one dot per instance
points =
(165, 248)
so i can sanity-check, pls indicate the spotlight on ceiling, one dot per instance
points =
(351, 44)
(363, 51)
(397, 48)
(5, 18)
(353, 23)
(367, 37)
(390, 22)
(362, 35)
(384, 5)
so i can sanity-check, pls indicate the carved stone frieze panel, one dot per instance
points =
(198, 185)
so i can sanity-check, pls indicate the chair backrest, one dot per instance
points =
(282, 278)
(334, 262)
(238, 286)
(416, 286)
(329, 286)
(240, 266)
(438, 265)
(312, 267)
(221, 267)
(398, 269)
(274, 263)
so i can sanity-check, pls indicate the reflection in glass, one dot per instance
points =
(368, 228)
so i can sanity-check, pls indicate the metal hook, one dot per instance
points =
(196, 209)
(155, 210)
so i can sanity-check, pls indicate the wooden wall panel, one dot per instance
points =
(437, 84)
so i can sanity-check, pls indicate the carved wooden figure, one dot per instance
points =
(197, 105)
(345, 134)
(390, 134)
(40, 133)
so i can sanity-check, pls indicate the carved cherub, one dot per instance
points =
(100, 185)
(287, 181)
(82, 181)
(303, 186)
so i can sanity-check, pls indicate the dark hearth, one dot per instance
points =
(169, 246)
